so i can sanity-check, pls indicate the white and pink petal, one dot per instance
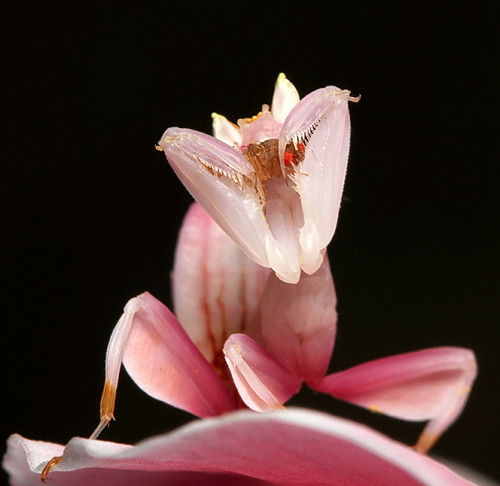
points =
(284, 448)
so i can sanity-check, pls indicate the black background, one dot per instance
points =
(92, 209)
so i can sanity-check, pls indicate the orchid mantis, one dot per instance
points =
(255, 304)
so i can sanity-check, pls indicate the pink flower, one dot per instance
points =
(292, 447)
(274, 181)
(273, 336)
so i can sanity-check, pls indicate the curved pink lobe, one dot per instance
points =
(263, 128)
(216, 287)
(432, 384)
(164, 362)
(262, 382)
(298, 322)
(284, 448)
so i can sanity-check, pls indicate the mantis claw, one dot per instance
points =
(48, 467)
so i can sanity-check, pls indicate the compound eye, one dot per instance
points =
(289, 161)
(294, 155)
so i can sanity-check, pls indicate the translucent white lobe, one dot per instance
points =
(224, 130)
(284, 99)
(321, 123)
(213, 173)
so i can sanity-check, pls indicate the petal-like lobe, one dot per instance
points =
(214, 174)
(262, 382)
(298, 323)
(224, 130)
(292, 447)
(284, 99)
(259, 128)
(321, 123)
(216, 287)
(164, 362)
(432, 384)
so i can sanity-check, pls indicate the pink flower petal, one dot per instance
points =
(262, 382)
(432, 384)
(216, 287)
(291, 447)
(164, 362)
(298, 323)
